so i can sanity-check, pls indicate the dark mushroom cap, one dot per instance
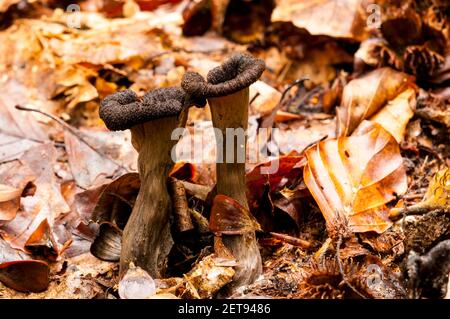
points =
(233, 75)
(123, 110)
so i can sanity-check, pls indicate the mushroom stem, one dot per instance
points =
(231, 112)
(227, 91)
(146, 238)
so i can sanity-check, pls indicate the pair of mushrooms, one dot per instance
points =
(146, 238)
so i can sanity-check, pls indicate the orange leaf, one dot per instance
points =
(351, 178)
(396, 114)
(366, 95)
(288, 169)
(184, 171)
(230, 218)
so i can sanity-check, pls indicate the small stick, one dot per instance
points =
(72, 130)
(201, 221)
(292, 240)
(268, 122)
(416, 210)
(180, 205)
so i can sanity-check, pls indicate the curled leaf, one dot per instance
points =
(18, 271)
(42, 242)
(228, 217)
(396, 114)
(116, 200)
(208, 276)
(107, 244)
(351, 178)
(25, 275)
(277, 174)
(364, 96)
(184, 171)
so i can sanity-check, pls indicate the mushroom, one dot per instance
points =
(146, 238)
(227, 91)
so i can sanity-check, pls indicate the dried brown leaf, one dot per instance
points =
(351, 178)
(364, 96)
(396, 114)
(20, 272)
(13, 181)
(19, 131)
(89, 167)
(45, 205)
(230, 218)
(340, 19)
(208, 276)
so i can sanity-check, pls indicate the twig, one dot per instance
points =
(180, 205)
(432, 152)
(123, 199)
(72, 131)
(254, 98)
(417, 209)
(268, 122)
(292, 240)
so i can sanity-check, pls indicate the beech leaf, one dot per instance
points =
(364, 96)
(396, 114)
(352, 178)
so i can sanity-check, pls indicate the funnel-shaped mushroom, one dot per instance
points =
(146, 238)
(227, 91)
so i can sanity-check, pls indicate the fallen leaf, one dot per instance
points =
(16, 178)
(88, 164)
(116, 200)
(20, 272)
(7, 193)
(339, 19)
(46, 205)
(19, 131)
(366, 95)
(279, 173)
(230, 218)
(80, 280)
(388, 242)
(184, 171)
(107, 244)
(299, 135)
(396, 114)
(263, 98)
(352, 186)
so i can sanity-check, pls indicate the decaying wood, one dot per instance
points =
(180, 205)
